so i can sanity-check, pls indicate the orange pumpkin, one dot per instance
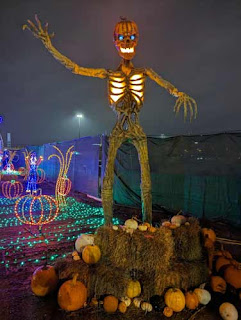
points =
(168, 312)
(147, 224)
(44, 281)
(209, 233)
(91, 254)
(110, 304)
(122, 307)
(224, 253)
(175, 299)
(166, 224)
(152, 229)
(72, 295)
(208, 243)
(222, 261)
(232, 275)
(218, 284)
(191, 300)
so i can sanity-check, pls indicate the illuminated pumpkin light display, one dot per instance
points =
(36, 210)
(63, 184)
(12, 189)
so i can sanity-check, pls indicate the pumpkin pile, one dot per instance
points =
(224, 275)
(144, 267)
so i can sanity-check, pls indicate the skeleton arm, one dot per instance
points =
(183, 98)
(41, 33)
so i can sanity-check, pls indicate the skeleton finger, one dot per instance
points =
(191, 109)
(34, 28)
(195, 108)
(185, 109)
(179, 106)
(177, 103)
(38, 22)
(46, 27)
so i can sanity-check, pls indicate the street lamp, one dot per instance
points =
(79, 116)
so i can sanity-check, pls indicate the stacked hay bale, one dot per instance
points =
(158, 260)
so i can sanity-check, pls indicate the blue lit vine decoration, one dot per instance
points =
(1, 119)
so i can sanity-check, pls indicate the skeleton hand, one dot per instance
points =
(187, 102)
(38, 31)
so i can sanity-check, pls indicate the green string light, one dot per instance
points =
(77, 218)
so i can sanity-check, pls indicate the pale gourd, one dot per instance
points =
(145, 306)
(131, 224)
(204, 297)
(137, 302)
(228, 311)
(126, 300)
(84, 240)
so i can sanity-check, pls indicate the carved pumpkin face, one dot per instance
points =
(125, 38)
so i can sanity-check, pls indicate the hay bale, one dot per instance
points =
(183, 275)
(106, 279)
(67, 267)
(188, 241)
(142, 251)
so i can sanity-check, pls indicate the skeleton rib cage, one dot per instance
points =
(126, 92)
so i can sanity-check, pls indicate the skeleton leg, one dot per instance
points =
(107, 190)
(141, 146)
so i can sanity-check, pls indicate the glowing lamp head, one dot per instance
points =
(126, 38)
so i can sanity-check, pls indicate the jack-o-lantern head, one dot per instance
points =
(126, 37)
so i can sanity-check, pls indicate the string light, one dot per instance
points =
(61, 190)
(12, 189)
(76, 219)
(40, 176)
(47, 209)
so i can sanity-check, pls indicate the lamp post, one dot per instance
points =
(79, 116)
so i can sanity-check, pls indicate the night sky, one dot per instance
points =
(196, 45)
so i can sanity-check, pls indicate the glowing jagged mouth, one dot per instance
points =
(127, 50)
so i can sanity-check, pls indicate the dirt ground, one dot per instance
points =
(18, 302)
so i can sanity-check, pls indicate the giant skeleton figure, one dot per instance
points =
(126, 96)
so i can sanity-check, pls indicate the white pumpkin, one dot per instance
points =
(145, 306)
(137, 302)
(228, 311)
(204, 297)
(126, 300)
(84, 240)
(131, 224)
(178, 219)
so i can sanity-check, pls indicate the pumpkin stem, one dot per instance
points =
(75, 278)
(123, 18)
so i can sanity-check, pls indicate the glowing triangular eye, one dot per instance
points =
(132, 37)
(120, 37)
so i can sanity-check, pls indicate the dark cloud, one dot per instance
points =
(193, 44)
